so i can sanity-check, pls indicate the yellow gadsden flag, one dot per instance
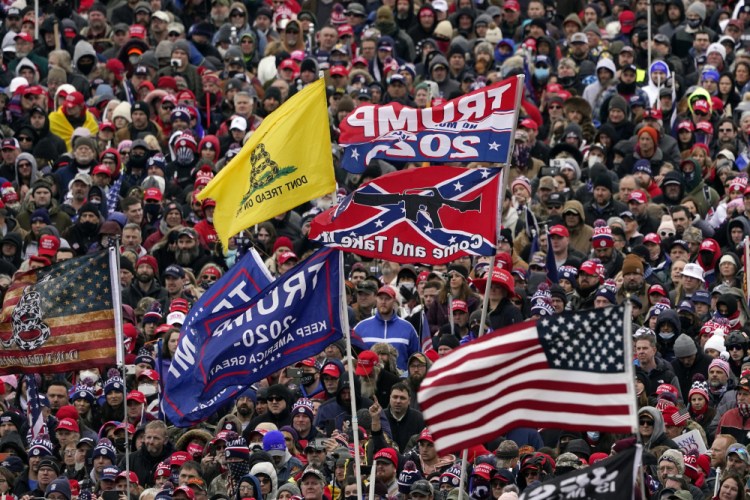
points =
(285, 163)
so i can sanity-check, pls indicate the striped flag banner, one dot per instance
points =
(59, 318)
(567, 371)
(37, 425)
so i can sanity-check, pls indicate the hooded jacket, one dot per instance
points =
(671, 202)
(250, 478)
(658, 437)
(666, 345)
(651, 88)
(267, 469)
(594, 92)
(34, 169)
(580, 235)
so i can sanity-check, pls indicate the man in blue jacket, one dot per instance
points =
(386, 326)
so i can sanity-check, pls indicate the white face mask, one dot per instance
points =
(147, 389)
(593, 160)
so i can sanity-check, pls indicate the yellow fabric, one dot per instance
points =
(61, 127)
(286, 162)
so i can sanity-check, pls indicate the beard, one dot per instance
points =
(368, 386)
(244, 410)
(414, 382)
(144, 277)
(631, 286)
(185, 257)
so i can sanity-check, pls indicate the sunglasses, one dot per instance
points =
(554, 107)
(24, 164)
(275, 399)
(666, 234)
(173, 34)
(734, 347)
(207, 277)
(649, 423)
(167, 107)
(292, 31)
(237, 14)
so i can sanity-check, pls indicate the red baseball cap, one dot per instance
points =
(388, 290)
(137, 31)
(627, 21)
(657, 289)
(33, 90)
(178, 458)
(652, 238)
(366, 362)
(132, 476)
(74, 99)
(153, 194)
(289, 64)
(529, 123)
(68, 424)
(638, 196)
(706, 128)
(589, 267)
(559, 230)
(425, 435)
(150, 374)
(339, 71)
(136, 396)
(686, 125)
(26, 37)
(101, 169)
(701, 105)
(387, 454)
(309, 362)
(186, 490)
(286, 257)
(48, 245)
(512, 5)
(331, 370)
(344, 30)
(459, 305)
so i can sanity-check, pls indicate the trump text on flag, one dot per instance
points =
(474, 127)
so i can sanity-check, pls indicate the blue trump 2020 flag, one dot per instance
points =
(223, 353)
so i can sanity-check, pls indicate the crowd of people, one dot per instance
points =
(628, 167)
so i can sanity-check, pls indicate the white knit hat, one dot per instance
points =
(715, 342)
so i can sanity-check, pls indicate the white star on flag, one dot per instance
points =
(355, 155)
(494, 146)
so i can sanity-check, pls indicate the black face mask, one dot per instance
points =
(85, 67)
(152, 209)
(307, 379)
(694, 23)
(566, 81)
(138, 161)
(119, 444)
(627, 88)
(89, 227)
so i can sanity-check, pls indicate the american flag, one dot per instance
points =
(37, 425)
(567, 371)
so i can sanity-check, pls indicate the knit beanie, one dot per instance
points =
(650, 131)
(697, 8)
(718, 362)
(699, 387)
(303, 406)
(632, 264)
(104, 448)
(408, 476)
(237, 448)
(684, 346)
(604, 181)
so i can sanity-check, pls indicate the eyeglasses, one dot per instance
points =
(208, 277)
(246, 488)
(726, 130)
(646, 422)
(247, 42)
(735, 347)
(275, 399)
(24, 164)
(173, 34)
(292, 31)
(264, 480)
(237, 14)
(29, 96)
(666, 234)
(167, 107)
(24, 139)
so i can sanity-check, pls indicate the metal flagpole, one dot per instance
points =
(627, 340)
(114, 278)
(371, 492)
(648, 21)
(450, 312)
(464, 468)
(746, 267)
(350, 369)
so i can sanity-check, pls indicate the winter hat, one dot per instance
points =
(684, 346)
(676, 457)
(114, 384)
(697, 8)
(632, 264)
(666, 226)
(604, 181)
(716, 342)
(59, 485)
(274, 443)
(303, 406)
(699, 387)
(618, 102)
(452, 476)
(41, 446)
(291, 488)
(602, 237)
(651, 132)
(40, 214)
(523, 182)
(104, 448)
(237, 448)
(408, 476)
(607, 293)
(718, 362)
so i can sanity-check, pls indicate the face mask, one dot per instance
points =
(147, 389)
(566, 81)
(119, 444)
(134, 59)
(541, 74)
(185, 156)
(593, 436)
(352, 497)
(85, 67)
(138, 161)
(88, 227)
(409, 285)
(175, 63)
(666, 335)
(231, 257)
(307, 379)
(210, 220)
(593, 160)
(694, 23)
(151, 209)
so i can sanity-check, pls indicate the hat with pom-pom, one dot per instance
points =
(699, 387)
(408, 476)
